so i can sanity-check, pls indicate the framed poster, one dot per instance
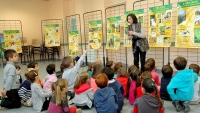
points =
(95, 34)
(12, 40)
(188, 24)
(160, 26)
(73, 43)
(113, 33)
(52, 35)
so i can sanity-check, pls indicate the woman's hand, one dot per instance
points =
(130, 33)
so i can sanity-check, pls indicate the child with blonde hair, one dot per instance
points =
(123, 79)
(59, 101)
(148, 103)
(38, 94)
(133, 83)
(83, 91)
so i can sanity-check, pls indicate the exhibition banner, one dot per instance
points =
(95, 34)
(73, 43)
(12, 40)
(160, 26)
(140, 16)
(52, 35)
(113, 33)
(188, 24)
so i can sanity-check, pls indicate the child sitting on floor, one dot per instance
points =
(83, 91)
(196, 97)
(105, 99)
(167, 72)
(59, 101)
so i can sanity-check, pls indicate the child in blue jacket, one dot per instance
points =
(181, 86)
(105, 100)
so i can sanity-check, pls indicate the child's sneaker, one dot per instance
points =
(186, 107)
(79, 110)
(176, 105)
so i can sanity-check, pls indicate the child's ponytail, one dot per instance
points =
(57, 89)
(58, 94)
(156, 94)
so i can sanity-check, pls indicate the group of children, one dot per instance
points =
(103, 88)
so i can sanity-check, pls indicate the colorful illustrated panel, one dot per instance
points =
(95, 34)
(12, 40)
(188, 24)
(52, 35)
(113, 33)
(160, 24)
(73, 43)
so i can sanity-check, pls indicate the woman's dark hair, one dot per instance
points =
(135, 20)
(149, 85)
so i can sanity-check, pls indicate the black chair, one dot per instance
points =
(36, 49)
(26, 53)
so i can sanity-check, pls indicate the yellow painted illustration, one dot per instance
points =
(113, 33)
(52, 35)
(12, 40)
(73, 43)
(95, 34)
(160, 26)
(188, 24)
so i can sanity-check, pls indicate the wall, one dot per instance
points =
(30, 12)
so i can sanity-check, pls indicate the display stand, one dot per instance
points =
(93, 55)
(60, 23)
(10, 25)
(73, 23)
(121, 54)
(156, 53)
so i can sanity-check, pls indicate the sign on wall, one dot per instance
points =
(160, 26)
(188, 24)
(73, 43)
(52, 35)
(12, 40)
(113, 33)
(95, 34)
(140, 16)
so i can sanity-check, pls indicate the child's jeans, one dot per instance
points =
(12, 101)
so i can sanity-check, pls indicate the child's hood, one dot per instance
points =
(151, 100)
(104, 93)
(83, 88)
(185, 75)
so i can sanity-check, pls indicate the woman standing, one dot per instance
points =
(139, 42)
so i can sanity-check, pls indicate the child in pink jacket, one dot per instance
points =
(150, 66)
(133, 83)
(50, 78)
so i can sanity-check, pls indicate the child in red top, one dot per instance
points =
(144, 75)
(150, 66)
(148, 103)
(123, 79)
